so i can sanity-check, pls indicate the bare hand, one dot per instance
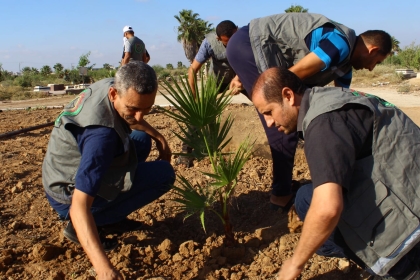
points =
(112, 274)
(288, 271)
(235, 86)
(165, 152)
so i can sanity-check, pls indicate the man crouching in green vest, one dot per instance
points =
(363, 156)
(94, 172)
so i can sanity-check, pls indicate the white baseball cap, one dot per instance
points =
(128, 28)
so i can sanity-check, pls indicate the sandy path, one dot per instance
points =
(409, 103)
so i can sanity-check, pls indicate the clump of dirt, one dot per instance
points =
(168, 247)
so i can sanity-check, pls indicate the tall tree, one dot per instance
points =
(58, 68)
(395, 45)
(26, 70)
(296, 9)
(107, 66)
(45, 70)
(191, 32)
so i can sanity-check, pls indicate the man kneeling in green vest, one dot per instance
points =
(363, 202)
(94, 172)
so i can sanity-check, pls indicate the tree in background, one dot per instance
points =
(180, 65)
(58, 69)
(191, 32)
(29, 70)
(409, 57)
(169, 66)
(296, 9)
(26, 70)
(46, 70)
(395, 45)
(84, 61)
(107, 66)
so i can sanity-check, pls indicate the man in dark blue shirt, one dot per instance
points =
(94, 172)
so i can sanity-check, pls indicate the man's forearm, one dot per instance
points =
(161, 143)
(146, 127)
(307, 66)
(87, 233)
(191, 79)
(126, 59)
(321, 220)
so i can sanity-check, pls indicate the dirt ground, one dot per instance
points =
(32, 245)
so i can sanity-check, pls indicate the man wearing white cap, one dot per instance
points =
(134, 48)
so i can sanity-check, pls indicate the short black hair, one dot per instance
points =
(226, 28)
(380, 39)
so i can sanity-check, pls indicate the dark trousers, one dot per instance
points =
(282, 146)
(335, 245)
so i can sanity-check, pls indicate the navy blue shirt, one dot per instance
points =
(98, 146)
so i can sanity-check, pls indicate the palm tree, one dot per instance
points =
(58, 68)
(296, 9)
(395, 45)
(191, 32)
(45, 70)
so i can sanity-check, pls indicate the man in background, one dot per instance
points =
(134, 48)
(95, 171)
(213, 48)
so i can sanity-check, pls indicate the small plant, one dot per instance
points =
(204, 131)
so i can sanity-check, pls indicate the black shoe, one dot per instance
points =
(109, 244)
(123, 226)
(284, 209)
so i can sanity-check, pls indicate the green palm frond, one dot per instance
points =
(228, 168)
(193, 199)
(216, 135)
(198, 111)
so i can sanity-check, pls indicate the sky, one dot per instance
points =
(45, 32)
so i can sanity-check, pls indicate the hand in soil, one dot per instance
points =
(110, 275)
(288, 271)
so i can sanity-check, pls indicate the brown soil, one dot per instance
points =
(169, 247)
